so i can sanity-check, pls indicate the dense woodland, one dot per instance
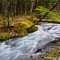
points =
(17, 7)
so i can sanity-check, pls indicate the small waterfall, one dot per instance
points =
(22, 48)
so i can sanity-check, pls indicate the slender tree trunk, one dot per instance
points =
(15, 6)
(26, 9)
(6, 6)
(32, 5)
(12, 12)
(21, 10)
(37, 2)
(8, 15)
(4, 11)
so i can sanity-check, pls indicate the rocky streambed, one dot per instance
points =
(50, 51)
(26, 48)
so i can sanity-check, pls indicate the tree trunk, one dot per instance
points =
(37, 2)
(3, 11)
(8, 15)
(26, 9)
(12, 12)
(21, 10)
(15, 6)
(32, 5)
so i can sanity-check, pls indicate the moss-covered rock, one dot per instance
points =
(33, 29)
(20, 28)
(23, 27)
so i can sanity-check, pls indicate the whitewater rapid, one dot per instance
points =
(22, 48)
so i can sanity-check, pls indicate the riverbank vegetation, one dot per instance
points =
(17, 16)
(51, 16)
(19, 27)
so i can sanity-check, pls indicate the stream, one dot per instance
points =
(22, 48)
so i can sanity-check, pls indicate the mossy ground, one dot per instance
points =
(21, 26)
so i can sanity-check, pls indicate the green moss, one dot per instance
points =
(33, 29)
(4, 36)
(23, 33)
(20, 29)
(52, 54)
(23, 26)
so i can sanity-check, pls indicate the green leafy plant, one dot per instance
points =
(52, 16)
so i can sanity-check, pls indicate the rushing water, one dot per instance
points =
(22, 48)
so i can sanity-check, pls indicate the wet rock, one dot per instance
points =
(58, 58)
(35, 56)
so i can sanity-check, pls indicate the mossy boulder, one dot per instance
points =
(23, 27)
(32, 29)
(19, 29)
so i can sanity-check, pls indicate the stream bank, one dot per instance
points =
(22, 48)
(18, 28)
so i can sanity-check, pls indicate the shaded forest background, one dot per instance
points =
(13, 8)
(16, 7)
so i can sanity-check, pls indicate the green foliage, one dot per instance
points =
(53, 16)
(52, 54)
(20, 29)
(23, 26)
(33, 29)
(4, 36)
(42, 10)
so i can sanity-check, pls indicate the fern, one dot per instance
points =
(53, 16)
